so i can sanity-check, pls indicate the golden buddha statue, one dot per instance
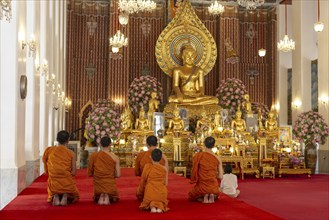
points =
(188, 81)
(126, 119)
(260, 119)
(271, 124)
(141, 123)
(238, 124)
(217, 120)
(204, 123)
(176, 124)
(153, 107)
(247, 105)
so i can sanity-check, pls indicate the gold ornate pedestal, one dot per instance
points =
(192, 110)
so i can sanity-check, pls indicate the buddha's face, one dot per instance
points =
(238, 114)
(188, 56)
(153, 95)
(270, 115)
(176, 114)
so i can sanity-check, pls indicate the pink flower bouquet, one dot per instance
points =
(231, 94)
(311, 128)
(140, 91)
(104, 120)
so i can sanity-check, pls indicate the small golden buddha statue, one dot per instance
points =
(271, 124)
(188, 82)
(204, 123)
(260, 119)
(217, 120)
(142, 123)
(126, 119)
(153, 107)
(238, 124)
(176, 124)
(247, 105)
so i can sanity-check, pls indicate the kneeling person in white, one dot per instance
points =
(229, 183)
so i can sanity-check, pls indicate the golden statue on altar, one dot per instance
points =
(238, 124)
(188, 81)
(260, 119)
(126, 119)
(176, 124)
(204, 123)
(218, 121)
(247, 106)
(186, 51)
(271, 123)
(153, 107)
(142, 124)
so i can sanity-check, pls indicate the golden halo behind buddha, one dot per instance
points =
(185, 29)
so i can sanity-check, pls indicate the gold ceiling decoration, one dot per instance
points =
(185, 28)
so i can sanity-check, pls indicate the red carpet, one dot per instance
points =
(31, 203)
(293, 197)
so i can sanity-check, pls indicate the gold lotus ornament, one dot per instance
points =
(185, 29)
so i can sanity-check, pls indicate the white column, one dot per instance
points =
(12, 111)
(284, 63)
(43, 118)
(323, 65)
(304, 15)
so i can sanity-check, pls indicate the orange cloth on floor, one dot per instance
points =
(204, 174)
(102, 167)
(142, 159)
(153, 187)
(58, 165)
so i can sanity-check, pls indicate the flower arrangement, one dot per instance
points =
(140, 91)
(264, 108)
(104, 120)
(195, 147)
(231, 94)
(310, 128)
(295, 160)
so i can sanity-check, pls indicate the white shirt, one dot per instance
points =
(229, 184)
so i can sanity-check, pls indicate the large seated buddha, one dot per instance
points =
(188, 82)
(187, 52)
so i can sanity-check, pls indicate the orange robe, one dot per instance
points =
(204, 174)
(102, 167)
(142, 159)
(153, 187)
(58, 165)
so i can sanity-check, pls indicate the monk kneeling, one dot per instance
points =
(153, 185)
(104, 166)
(59, 164)
(207, 168)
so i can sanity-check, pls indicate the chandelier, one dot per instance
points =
(118, 41)
(135, 6)
(318, 26)
(251, 4)
(123, 18)
(5, 9)
(286, 44)
(216, 8)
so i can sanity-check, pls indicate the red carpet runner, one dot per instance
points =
(31, 203)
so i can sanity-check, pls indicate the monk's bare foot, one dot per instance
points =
(159, 210)
(106, 199)
(101, 199)
(153, 210)
(206, 198)
(64, 200)
(56, 201)
(211, 198)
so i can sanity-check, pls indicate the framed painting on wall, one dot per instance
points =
(284, 134)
